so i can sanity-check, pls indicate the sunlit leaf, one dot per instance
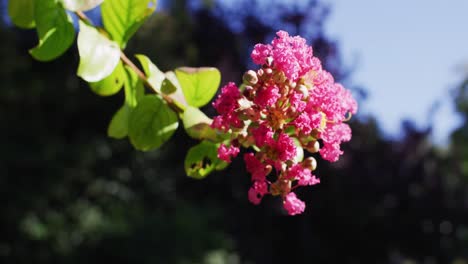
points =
(154, 75)
(134, 92)
(122, 18)
(134, 89)
(112, 83)
(21, 13)
(98, 55)
(81, 5)
(202, 159)
(151, 123)
(171, 83)
(198, 84)
(198, 125)
(55, 30)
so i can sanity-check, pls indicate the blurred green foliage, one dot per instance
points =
(72, 195)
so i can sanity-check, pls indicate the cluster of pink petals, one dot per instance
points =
(289, 105)
(291, 55)
(225, 153)
(226, 106)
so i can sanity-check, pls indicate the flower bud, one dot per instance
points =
(249, 92)
(279, 77)
(260, 72)
(313, 146)
(292, 84)
(280, 187)
(250, 77)
(303, 90)
(268, 71)
(269, 61)
(310, 163)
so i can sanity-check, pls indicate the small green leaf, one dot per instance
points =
(122, 18)
(198, 84)
(55, 30)
(98, 55)
(193, 116)
(202, 159)
(151, 123)
(198, 125)
(81, 5)
(171, 83)
(154, 75)
(134, 89)
(112, 83)
(21, 13)
(118, 127)
(167, 87)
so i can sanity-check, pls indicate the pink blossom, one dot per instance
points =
(227, 121)
(257, 191)
(292, 55)
(302, 175)
(293, 205)
(306, 122)
(267, 96)
(227, 101)
(331, 152)
(285, 147)
(296, 102)
(226, 104)
(333, 100)
(260, 53)
(289, 103)
(262, 135)
(347, 101)
(257, 169)
(336, 133)
(226, 153)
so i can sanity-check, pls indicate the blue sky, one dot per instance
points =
(407, 53)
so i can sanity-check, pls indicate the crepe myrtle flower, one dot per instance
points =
(288, 106)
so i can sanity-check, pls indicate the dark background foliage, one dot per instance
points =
(72, 195)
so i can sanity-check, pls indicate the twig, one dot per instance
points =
(169, 100)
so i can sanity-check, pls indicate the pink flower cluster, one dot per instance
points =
(287, 106)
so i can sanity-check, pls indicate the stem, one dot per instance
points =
(169, 100)
(83, 17)
(176, 107)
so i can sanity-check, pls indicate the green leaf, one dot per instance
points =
(112, 83)
(134, 89)
(122, 18)
(81, 5)
(21, 13)
(167, 87)
(198, 84)
(198, 125)
(118, 127)
(171, 83)
(151, 123)
(98, 55)
(202, 159)
(154, 75)
(54, 28)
